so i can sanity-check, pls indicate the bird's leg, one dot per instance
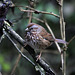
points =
(38, 57)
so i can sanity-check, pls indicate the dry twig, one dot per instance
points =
(53, 36)
(71, 40)
(62, 29)
(37, 11)
(18, 58)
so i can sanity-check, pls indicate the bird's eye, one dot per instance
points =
(31, 28)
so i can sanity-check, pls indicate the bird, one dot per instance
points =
(38, 38)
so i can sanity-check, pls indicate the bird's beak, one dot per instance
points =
(26, 29)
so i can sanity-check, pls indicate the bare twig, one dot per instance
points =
(62, 29)
(71, 40)
(19, 56)
(63, 55)
(37, 11)
(30, 17)
(53, 36)
(31, 4)
(43, 12)
(35, 18)
(18, 48)
(38, 19)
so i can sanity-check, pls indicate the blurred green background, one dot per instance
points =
(9, 54)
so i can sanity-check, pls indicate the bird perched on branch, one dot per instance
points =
(38, 38)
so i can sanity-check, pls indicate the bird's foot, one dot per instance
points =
(38, 57)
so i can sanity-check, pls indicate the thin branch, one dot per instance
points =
(37, 11)
(30, 17)
(30, 14)
(71, 40)
(63, 54)
(18, 48)
(14, 68)
(35, 18)
(43, 12)
(62, 29)
(58, 47)
(38, 19)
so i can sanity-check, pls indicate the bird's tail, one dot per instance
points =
(61, 41)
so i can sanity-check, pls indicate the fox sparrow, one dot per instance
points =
(38, 38)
